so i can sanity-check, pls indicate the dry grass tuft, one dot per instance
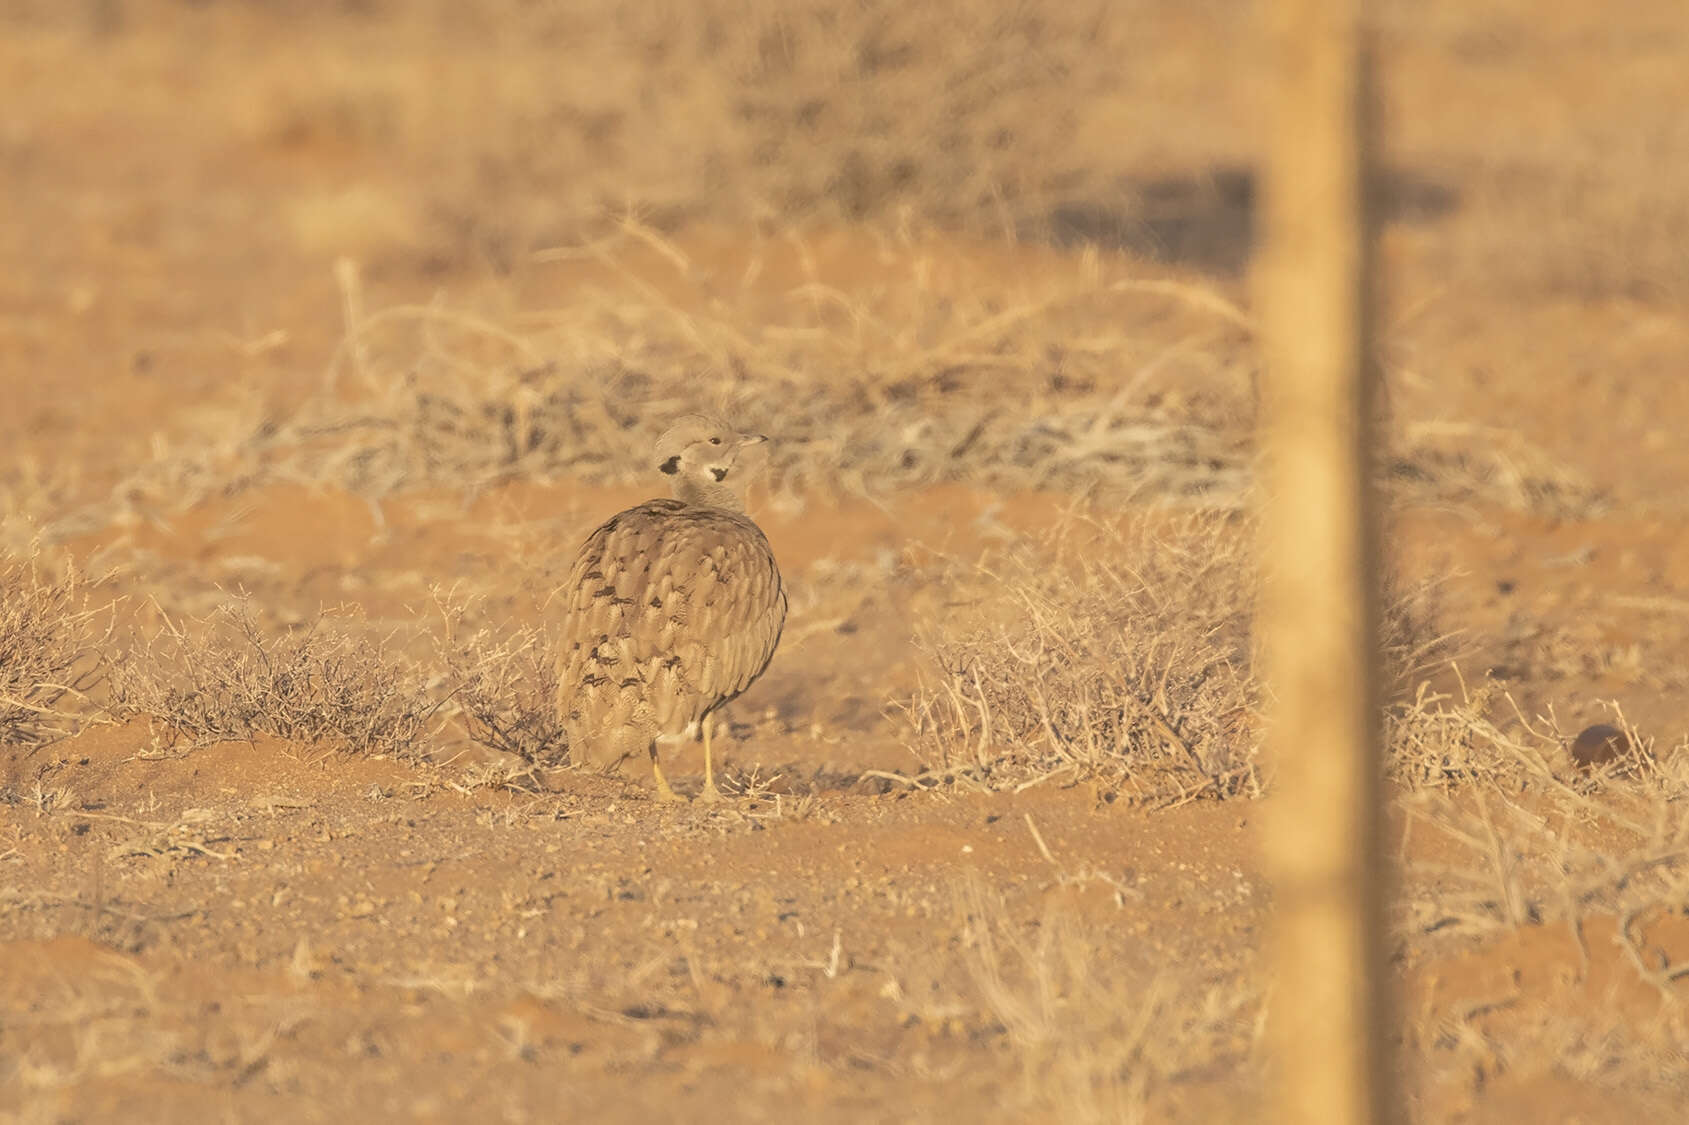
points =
(222, 677)
(503, 682)
(50, 637)
(1123, 656)
(1578, 879)
(1474, 465)
(1093, 1040)
(1544, 841)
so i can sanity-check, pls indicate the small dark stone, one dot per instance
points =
(1599, 745)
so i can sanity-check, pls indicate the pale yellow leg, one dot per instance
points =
(709, 793)
(664, 793)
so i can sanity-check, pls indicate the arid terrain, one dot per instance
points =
(328, 330)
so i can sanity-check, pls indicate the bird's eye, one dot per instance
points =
(715, 441)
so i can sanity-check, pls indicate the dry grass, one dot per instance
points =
(1471, 466)
(1093, 1039)
(1589, 1047)
(50, 636)
(721, 110)
(1520, 847)
(1544, 841)
(223, 677)
(502, 681)
(1118, 655)
(920, 378)
(996, 120)
(916, 378)
(333, 680)
(1590, 204)
(34, 501)
(1083, 376)
(1124, 656)
(87, 1027)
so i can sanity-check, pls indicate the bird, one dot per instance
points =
(673, 607)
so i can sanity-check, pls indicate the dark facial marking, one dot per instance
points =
(671, 466)
(719, 474)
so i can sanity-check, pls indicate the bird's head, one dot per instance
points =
(707, 460)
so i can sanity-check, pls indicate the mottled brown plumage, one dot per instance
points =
(674, 607)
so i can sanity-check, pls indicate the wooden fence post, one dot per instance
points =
(1329, 1014)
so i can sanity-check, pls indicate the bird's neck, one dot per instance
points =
(712, 494)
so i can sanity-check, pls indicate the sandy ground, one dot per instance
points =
(282, 930)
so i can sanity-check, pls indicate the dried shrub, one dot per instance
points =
(224, 677)
(503, 682)
(1118, 655)
(50, 636)
(1544, 839)
(1124, 656)
(1525, 846)
(1463, 464)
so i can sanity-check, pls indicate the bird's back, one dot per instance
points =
(673, 609)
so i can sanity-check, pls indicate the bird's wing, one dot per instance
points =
(722, 607)
(681, 605)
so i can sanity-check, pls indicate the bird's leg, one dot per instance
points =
(709, 793)
(664, 793)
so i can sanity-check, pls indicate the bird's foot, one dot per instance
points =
(666, 795)
(710, 795)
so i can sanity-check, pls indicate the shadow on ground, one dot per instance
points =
(1206, 221)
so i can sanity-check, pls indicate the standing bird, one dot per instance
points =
(674, 607)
